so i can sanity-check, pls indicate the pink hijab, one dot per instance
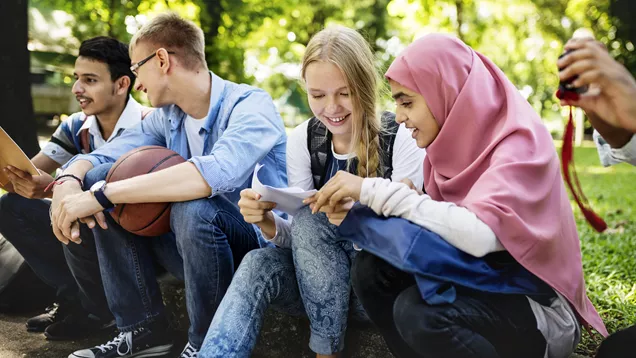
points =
(495, 157)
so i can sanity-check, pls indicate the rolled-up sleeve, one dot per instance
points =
(610, 156)
(61, 147)
(148, 132)
(253, 129)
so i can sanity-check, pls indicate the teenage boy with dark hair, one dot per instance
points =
(103, 82)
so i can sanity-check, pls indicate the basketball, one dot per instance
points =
(146, 219)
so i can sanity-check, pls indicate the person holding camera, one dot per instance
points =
(607, 93)
(609, 101)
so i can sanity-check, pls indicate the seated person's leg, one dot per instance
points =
(26, 223)
(132, 292)
(84, 265)
(323, 270)
(265, 276)
(377, 284)
(212, 238)
(477, 324)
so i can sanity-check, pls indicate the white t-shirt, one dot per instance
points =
(408, 160)
(193, 133)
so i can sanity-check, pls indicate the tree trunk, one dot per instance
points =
(211, 11)
(16, 104)
(459, 6)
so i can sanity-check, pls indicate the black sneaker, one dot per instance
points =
(52, 314)
(189, 352)
(77, 326)
(140, 343)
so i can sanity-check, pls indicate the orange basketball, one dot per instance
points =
(148, 219)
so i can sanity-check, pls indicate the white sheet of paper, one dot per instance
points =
(288, 200)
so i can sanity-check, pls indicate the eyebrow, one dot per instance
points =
(399, 95)
(86, 74)
(319, 90)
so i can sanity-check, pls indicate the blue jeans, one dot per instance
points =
(208, 240)
(73, 270)
(323, 264)
(265, 277)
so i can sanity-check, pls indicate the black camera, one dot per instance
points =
(566, 86)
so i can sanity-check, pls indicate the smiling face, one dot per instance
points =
(412, 110)
(152, 76)
(329, 96)
(94, 89)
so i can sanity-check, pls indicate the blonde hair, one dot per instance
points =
(177, 34)
(351, 53)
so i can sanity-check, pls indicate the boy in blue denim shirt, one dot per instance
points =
(223, 129)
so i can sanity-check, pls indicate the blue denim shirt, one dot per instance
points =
(242, 128)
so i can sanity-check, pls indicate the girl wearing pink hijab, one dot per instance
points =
(487, 263)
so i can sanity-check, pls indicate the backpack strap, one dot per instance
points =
(319, 146)
(85, 141)
(387, 142)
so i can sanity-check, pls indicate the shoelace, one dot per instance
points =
(52, 310)
(116, 343)
(189, 352)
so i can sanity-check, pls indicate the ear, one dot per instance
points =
(122, 85)
(163, 58)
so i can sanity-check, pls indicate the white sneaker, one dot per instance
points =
(189, 352)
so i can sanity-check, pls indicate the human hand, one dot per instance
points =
(612, 93)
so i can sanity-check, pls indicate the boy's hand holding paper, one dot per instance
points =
(27, 185)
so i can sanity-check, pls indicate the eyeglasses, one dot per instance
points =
(136, 66)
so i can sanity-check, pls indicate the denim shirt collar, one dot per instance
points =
(218, 87)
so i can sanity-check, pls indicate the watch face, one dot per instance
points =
(97, 186)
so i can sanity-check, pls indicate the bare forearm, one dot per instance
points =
(181, 182)
(615, 137)
(44, 163)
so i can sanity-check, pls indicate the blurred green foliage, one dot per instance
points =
(262, 41)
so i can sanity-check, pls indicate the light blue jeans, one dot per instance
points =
(271, 276)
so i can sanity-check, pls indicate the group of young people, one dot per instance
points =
(446, 223)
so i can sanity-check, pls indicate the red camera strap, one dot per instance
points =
(569, 171)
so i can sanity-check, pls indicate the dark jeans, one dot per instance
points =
(477, 324)
(208, 240)
(73, 270)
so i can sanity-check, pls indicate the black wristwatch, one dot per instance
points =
(98, 192)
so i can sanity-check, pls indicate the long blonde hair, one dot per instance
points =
(351, 53)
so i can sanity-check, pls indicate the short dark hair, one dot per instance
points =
(111, 52)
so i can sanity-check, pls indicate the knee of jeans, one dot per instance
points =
(416, 321)
(253, 260)
(12, 204)
(187, 216)
(96, 174)
(362, 272)
(309, 230)
(267, 261)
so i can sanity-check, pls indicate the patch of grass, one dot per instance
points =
(609, 258)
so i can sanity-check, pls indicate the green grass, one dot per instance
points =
(609, 258)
